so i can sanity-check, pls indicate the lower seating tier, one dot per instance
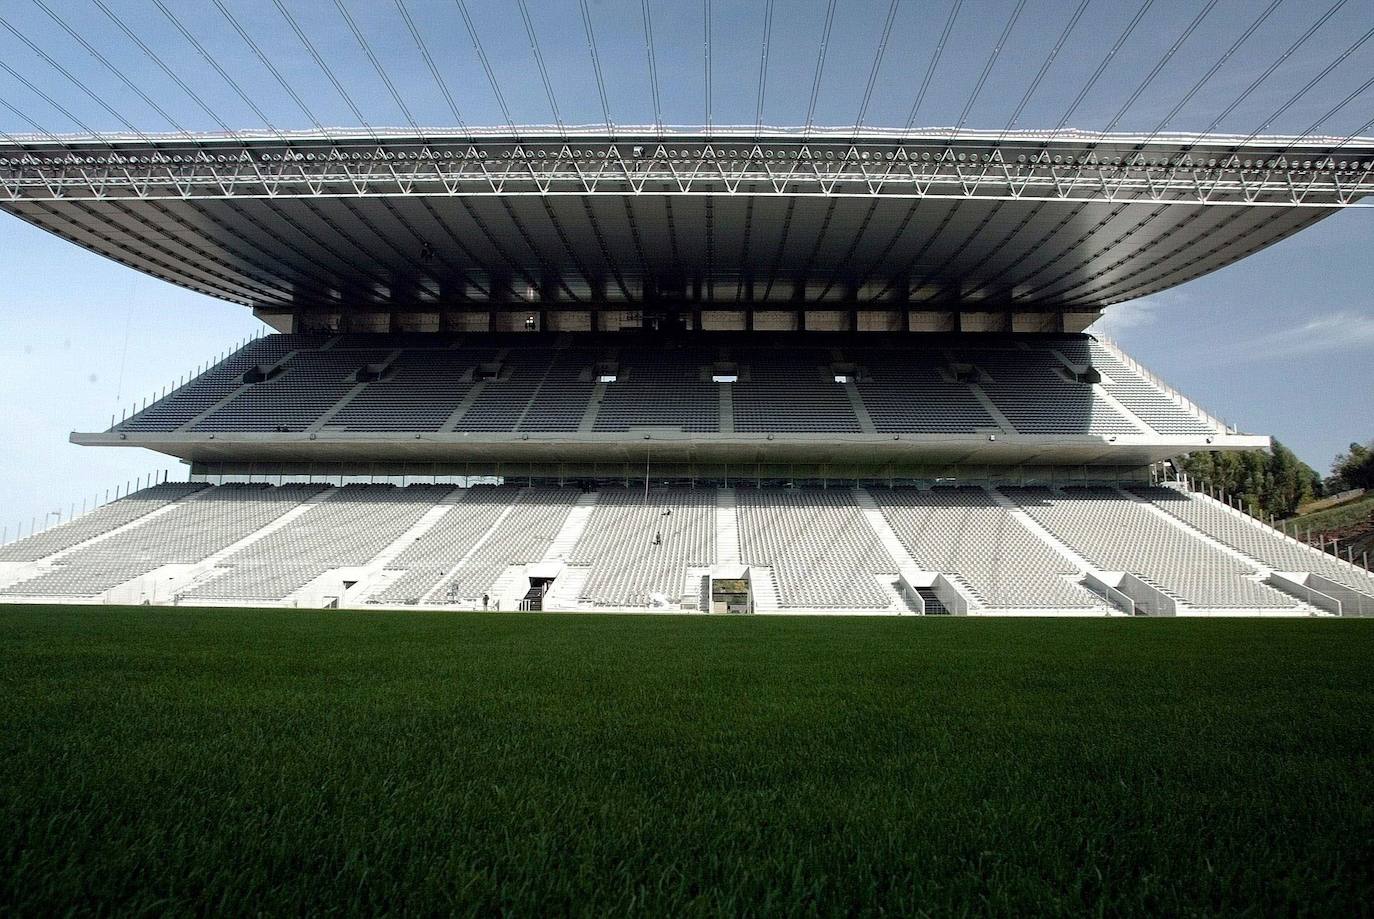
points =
(872, 549)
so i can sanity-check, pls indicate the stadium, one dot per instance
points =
(793, 371)
(686, 459)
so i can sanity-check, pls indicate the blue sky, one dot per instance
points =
(1282, 343)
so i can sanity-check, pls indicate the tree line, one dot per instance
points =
(1276, 483)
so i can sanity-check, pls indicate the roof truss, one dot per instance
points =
(1070, 170)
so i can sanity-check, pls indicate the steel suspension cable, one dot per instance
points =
(433, 69)
(1211, 71)
(10, 138)
(1321, 75)
(1102, 67)
(1350, 97)
(324, 67)
(105, 62)
(1358, 132)
(334, 80)
(71, 78)
(74, 119)
(820, 67)
(987, 68)
(1368, 163)
(166, 69)
(1155, 71)
(486, 67)
(1254, 84)
(596, 67)
(653, 65)
(934, 62)
(706, 15)
(377, 65)
(272, 69)
(1039, 77)
(1045, 68)
(1035, 84)
(877, 64)
(99, 100)
(763, 66)
(911, 120)
(162, 65)
(973, 97)
(245, 283)
(1291, 101)
(543, 71)
(214, 64)
(251, 282)
(1160, 65)
(354, 108)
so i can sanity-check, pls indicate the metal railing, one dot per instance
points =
(186, 380)
(53, 518)
(1234, 504)
(1159, 382)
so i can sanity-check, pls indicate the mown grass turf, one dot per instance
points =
(240, 761)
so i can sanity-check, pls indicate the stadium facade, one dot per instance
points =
(799, 372)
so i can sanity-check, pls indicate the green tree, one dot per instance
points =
(1268, 483)
(1293, 482)
(1355, 467)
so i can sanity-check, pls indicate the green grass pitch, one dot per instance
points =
(283, 762)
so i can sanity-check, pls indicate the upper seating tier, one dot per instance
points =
(409, 383)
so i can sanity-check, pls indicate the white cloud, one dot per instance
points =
(1120, 320)
(1345, 330)
(1333, 333)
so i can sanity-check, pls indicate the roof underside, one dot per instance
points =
(963, 222)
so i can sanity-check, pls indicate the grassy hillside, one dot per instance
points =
(1346, 515)
(159, 760)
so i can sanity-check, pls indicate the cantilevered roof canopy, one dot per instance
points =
(955, 220)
